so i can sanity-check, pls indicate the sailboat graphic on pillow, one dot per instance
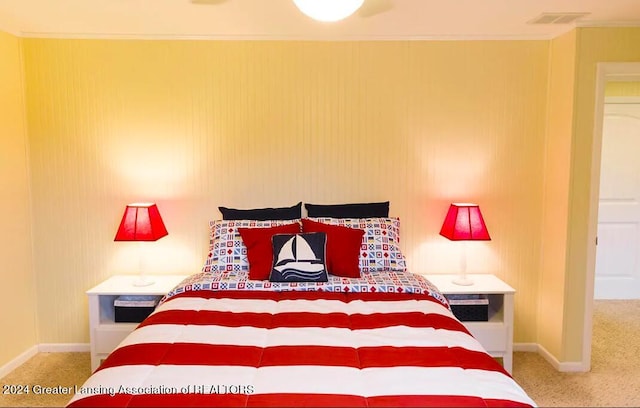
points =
(296, 259)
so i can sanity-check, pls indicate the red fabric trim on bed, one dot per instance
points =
(290, 400)
(309, 295)
(304, 319)
(383, 349)
(250, 356)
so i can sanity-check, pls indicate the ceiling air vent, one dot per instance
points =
(557, 18)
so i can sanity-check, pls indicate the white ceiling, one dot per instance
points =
(280, 19)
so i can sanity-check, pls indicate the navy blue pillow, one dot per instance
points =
(299, 258)
(357, 210)
(263, 214)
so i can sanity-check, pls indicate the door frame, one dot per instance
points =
(606, 71)
(614, 100)
(621, 100)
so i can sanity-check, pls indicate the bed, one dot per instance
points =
(222, 338)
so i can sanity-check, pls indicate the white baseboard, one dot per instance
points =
(64, 348)
(565, 367)
(18, 361)
(568, 367)
(526, 347)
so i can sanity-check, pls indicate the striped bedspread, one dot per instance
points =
(300, 348)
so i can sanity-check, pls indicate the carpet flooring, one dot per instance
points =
(45, 370)
(614, 379)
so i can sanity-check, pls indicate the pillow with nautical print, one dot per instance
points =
(380, 248)
(299, 258)
(227, 251)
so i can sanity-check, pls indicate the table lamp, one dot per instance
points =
(141, 222)
(464, 222)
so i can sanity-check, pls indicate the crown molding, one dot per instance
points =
(182, 37)
(10, 31)
(607, 24)
(295, 37)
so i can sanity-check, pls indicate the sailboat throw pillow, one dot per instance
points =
(299, 258)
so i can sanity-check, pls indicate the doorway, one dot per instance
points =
(606, 72)
(617, 274)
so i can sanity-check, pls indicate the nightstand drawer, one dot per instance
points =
(492, 336)
(107, 339)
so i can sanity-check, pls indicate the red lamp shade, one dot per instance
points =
(464, 222)
(141, 222)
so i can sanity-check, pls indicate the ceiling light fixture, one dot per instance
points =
(328, 10)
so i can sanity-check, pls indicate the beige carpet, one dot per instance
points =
(46, 370)
(613, 381)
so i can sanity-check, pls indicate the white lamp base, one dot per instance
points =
(463, 281)
(143, 281)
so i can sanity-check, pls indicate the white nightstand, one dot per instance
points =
(495, 335)
(105, 334)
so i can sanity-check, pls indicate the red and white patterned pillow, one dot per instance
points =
(227, 251)
(380, 248)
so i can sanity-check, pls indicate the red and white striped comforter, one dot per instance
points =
(263, 348)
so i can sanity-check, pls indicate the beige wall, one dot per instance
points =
(568, 172)
(196, 124)
(593, 45)
(18, 302)
(556, 192)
